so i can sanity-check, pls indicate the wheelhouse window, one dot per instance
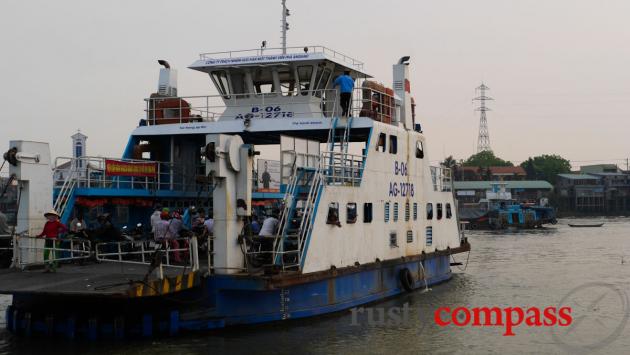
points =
(219, 77)
(386, 211)
(380, 145)
(429, 210)
(449, 212)
(239, 84)
(419, 150)
(393, 144)
(321, 81)
(263, 82)
(439, 211)
(367, 212)
(305, 73)
(351, 212)
(287, 81)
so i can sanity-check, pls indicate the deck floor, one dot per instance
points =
(104, 279)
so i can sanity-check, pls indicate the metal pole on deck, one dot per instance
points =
(285, 26)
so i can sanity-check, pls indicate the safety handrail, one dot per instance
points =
(90, 172)
(143, 252)
(207, 108)
(76, 248)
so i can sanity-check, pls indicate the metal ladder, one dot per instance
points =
(306, 226)
(289, 197)
(341, 142)
(65, 193)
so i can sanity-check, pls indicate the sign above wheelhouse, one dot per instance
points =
(253, 57)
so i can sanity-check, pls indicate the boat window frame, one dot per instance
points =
(291, 91)
(428, 235)
(409, 236)
(393, 144)
(304, 91)
(439, 211)
(395, 219)
(320, 85)
(368, 215)
(381, 142)
(449, 211)
(350, 220)
(429, 211)
(393, 239)
(419, 149)
(386, 215)
(222, 86)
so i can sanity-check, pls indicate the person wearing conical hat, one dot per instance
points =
(52, 229)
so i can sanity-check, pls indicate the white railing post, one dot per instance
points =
(194, 252)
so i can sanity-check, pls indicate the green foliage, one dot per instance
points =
(546, 167)
(486, 159)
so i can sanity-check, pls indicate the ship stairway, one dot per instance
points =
(338, 142)
(296, 221)
(64, 203)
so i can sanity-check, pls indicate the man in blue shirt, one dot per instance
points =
(346, 84)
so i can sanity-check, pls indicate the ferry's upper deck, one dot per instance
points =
(288, 85)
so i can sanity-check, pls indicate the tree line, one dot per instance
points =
(542, 167)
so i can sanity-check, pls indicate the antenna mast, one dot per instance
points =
(285, 26)
(483, 141)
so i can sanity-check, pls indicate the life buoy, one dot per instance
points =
(406, 279)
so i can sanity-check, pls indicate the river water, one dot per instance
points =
(587, 269)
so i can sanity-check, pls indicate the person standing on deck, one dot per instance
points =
(346, 85)
(155, 217)
(52, 229)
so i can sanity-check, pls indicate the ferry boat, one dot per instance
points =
(363, 215)
(499, 211)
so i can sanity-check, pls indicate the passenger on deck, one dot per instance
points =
(78, 223)
(209, 224)
(346, 85)
(269, 226)
(255, 225)
(52, 230)
(161, 228)
(155, 217)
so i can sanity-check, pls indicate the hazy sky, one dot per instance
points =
(558, 69)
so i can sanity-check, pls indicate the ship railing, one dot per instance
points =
(208, 108)
(290, 53)
(441, 179)
(32, 250)
(373, 103)
(90, 172)
(340, 168)
(174, 253)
